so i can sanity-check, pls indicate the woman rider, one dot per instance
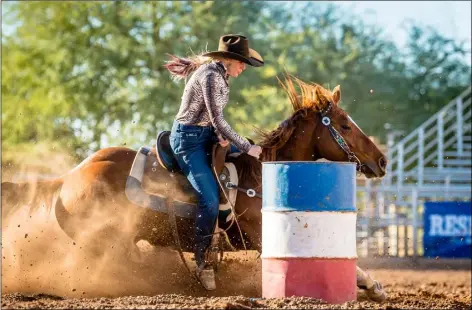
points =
(200, 122)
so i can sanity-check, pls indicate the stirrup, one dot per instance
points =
(206, 276)
(376, 292)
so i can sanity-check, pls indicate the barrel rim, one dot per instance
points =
(310, 162)
(282, 210)
(310, 258)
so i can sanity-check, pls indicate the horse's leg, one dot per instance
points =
(154, 228)
(373, 288)
(93, 209)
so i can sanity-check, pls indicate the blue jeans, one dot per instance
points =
(192, 146)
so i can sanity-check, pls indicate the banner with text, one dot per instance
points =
(447, 229)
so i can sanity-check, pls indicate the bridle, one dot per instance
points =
(325, 120)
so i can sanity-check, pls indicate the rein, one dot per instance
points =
(326, 121)
(234, 219)
(175, 234)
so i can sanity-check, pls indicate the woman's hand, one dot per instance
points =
(223, 142)
(255, 151)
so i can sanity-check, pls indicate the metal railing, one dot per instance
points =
(442, 143)
(432, 163)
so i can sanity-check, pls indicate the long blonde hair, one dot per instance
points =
(180, 67)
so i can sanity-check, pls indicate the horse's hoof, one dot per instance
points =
(376, 292)
(206, 276)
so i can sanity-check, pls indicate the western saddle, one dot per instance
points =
(166, 157)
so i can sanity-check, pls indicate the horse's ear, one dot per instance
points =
(337, 94)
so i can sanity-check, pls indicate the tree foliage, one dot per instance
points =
(90, 74)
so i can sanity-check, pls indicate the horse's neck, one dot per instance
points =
(299, 147)
(250, 169)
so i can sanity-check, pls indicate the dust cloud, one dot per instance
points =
(38, 256)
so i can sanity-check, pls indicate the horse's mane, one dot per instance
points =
(312, 97)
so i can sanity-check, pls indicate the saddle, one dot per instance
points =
(166, 158)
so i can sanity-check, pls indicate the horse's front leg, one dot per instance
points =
(373, 288)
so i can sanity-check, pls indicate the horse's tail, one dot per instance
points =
(35, 194)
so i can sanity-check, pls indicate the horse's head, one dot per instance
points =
(319, 128)
(341, 139)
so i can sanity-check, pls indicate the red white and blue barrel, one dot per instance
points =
(309, 230)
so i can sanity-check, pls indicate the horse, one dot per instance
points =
(94, 191)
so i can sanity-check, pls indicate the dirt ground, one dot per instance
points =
(239, 287)
(43, 268)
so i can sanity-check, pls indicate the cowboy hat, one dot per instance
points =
(236, 46)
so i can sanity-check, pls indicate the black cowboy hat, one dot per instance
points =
(236, 46)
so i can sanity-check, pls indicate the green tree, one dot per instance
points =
(104, 63)
(90, 74)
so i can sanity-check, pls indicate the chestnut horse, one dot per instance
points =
(95, 189)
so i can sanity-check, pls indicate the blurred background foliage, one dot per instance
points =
(80, 76)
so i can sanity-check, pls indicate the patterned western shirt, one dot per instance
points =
(205, 96)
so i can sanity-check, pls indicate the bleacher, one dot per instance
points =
(432, 163)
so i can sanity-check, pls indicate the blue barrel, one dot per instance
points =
(309, 230)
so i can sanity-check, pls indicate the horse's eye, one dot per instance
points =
(345, 127)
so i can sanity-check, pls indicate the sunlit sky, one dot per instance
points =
(451, 18)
